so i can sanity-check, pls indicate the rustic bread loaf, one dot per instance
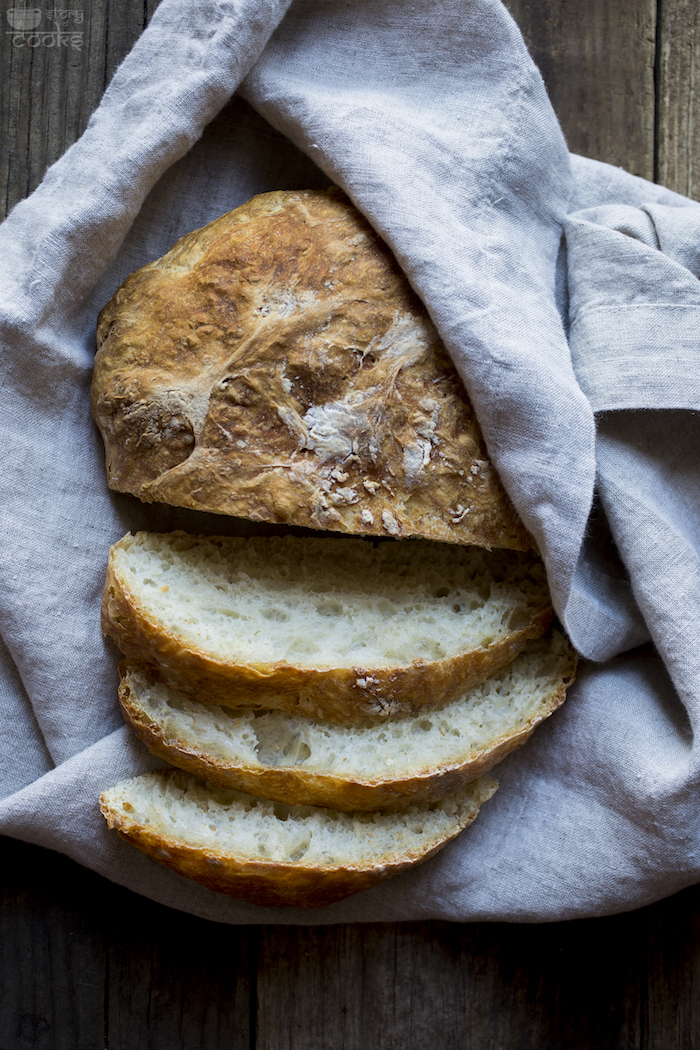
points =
(403, 760)
(339, 628)
(275, 365)
(268, 853)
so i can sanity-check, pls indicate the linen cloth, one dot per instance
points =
(567, 294)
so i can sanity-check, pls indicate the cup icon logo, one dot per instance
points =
(23, 18)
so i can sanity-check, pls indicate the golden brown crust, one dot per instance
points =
(269, 883)
(301, 787)
(337, 694)
(276, 366)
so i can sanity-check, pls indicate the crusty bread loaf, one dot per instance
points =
(271, 854)
(339, 628)
(403, 760)
(275, 365)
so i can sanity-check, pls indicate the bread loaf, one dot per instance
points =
(340, 628)
(275, 365)
(403, 760)
(271, 854)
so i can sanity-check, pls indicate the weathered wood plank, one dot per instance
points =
(125, 20)
(457, 987)
(597, 59)
(175, 981)
(48, 93)
(52, 953)
(380, 986)
(678, 97)
(15, 86)
(672, 1016)
(84, 963)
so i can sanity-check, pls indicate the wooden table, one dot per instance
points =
(85, 964)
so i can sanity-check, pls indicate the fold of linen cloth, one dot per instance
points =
(436, 123)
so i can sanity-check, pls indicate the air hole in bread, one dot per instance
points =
(296, 855)
(279, 742)
(276, 614)
(329, 609)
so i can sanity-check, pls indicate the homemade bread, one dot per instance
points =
(340, 628)
(272, 854)
(403, 760)
(275, 365)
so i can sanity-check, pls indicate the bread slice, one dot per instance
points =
(404, 760)
(276, 365)
(339, 628)
(268, 853)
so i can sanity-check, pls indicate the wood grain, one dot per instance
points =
(622, 81)
(47, 94)
(84, 963)
(672, 999)
(597, 59)
(52, 957)
(170, 974)
(456, 987)
(678, 101)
